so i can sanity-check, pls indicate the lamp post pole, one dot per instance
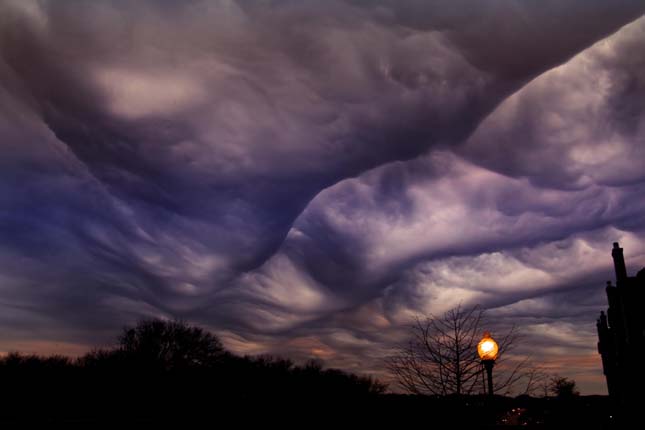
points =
(487, 350)
(488, 365)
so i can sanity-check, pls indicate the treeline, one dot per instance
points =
(171, 372)
(165, 368)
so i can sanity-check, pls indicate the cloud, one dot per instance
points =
(575, 126)
(300, 176)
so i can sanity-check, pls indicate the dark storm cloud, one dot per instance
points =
(297, 174)
(514, 39)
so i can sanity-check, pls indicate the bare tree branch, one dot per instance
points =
(441, 357)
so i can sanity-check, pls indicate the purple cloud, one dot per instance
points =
(304, 177)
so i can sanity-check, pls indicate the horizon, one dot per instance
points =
(304, 179)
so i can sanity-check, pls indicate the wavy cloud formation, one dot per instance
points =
(304, 177)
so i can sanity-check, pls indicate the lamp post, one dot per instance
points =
(487, 349)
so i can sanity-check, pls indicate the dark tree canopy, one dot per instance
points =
(170, 345)
(563, 387)
(164, 368)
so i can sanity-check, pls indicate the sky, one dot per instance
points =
(304, 178)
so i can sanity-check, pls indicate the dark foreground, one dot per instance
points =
(185, 403)
(166, 372)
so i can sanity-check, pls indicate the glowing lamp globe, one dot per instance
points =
(487, 348)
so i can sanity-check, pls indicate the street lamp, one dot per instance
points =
(487, 350)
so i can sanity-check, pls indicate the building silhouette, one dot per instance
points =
(621, 338)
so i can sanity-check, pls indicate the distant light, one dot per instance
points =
(487, 348)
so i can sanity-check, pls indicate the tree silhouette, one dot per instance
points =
(441, 357)
(162, 370)
(169, 345)
(563, 387)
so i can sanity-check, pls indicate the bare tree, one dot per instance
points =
(441, 357)
(536, 381)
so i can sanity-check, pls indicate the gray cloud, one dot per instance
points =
(575, 126)
(302, 177)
